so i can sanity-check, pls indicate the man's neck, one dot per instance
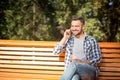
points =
(80, 35)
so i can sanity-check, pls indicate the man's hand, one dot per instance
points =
(67, 34)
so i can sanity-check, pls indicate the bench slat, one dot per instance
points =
(110, 50)
(111, 60)
(32, 71)
(25, 43)
(109, 78)
(110, 65)
(29, 76)
(115, 55)
(5, 78)
(29, 58)
(31, 62)
(114, 74)
(25, 49)
(109, 45)
(110, 69)
(27, 53)
(31, 67)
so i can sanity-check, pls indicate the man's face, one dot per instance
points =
(76, 27)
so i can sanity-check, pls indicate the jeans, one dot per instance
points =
(75, 77)
(79, 71)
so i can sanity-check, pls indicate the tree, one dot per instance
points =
(25, 20)
(109, 18)
(3, 7)
(47, 19)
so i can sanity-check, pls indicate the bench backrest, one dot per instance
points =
(110, 64)
(29, 60)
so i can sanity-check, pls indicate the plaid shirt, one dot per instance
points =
(91, 50)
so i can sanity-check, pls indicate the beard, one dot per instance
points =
(78, 33)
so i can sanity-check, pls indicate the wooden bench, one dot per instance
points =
(34, 60)
(29, 60)
(110, 64)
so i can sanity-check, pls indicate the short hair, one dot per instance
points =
(78, 18)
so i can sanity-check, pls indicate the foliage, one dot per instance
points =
(109, 18)
(47, 19)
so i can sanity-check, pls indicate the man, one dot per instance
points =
(82, 52)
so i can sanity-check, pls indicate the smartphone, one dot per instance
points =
(70, 33)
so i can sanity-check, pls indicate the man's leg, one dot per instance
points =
(76, 77)
(86, 71)
(69, 72)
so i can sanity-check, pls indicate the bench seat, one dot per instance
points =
(29, 60)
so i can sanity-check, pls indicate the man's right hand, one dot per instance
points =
(67, 34)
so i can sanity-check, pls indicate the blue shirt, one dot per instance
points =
(91, 50)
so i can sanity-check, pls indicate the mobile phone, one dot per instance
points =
(70, 33)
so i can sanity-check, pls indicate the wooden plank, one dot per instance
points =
(5, 78)
(29, 76)
(32, 67)
(19, 78)
(108, 78)
(110, 50)
(110, 69)
(28, 58)
(32, 62)
(110, 65)
(114, 74)
(115, 55)
(25, 49)
(108, 55)
(32, 71)
(61, 59)
(27, 53)
(25, 43)
(113, 60)
(104, 56)
(109, 45)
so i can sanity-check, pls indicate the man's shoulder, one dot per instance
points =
(88, 37)
(91, 40)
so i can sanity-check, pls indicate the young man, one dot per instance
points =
(82, 52)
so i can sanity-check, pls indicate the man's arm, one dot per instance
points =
(61, 46)
(95, 52)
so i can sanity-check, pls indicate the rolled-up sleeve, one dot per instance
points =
(58, 49)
